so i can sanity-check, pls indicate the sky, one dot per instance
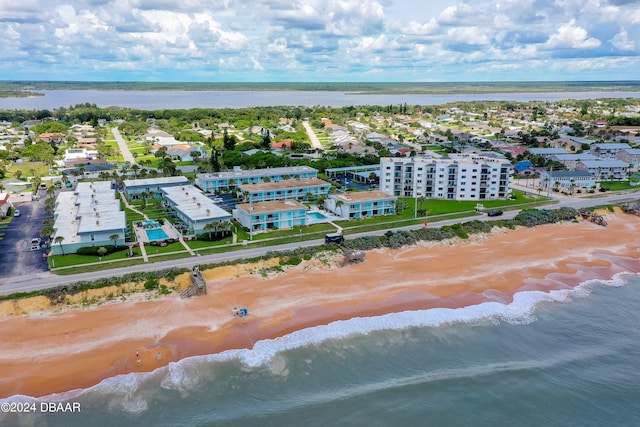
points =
(319, 40)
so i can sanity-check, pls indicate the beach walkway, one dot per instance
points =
(191, 252)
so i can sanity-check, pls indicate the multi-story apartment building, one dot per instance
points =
(303, 189)
(228, 180)
(458, 177)
(88, 216)
(361, 204)
(278, 214)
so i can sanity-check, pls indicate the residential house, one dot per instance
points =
(4, 204)
(184, 153)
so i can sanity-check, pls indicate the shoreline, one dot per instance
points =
(76, 349)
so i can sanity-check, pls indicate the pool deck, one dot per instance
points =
(141, 233)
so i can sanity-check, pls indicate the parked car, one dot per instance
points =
(217, 200)
(35, 243)
(17, 212)
(494, 212)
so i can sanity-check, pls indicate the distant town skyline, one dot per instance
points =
(320, 40)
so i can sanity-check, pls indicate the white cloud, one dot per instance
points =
(570, 35)
(330, 39)
(621, 41)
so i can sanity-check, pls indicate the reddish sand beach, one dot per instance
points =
(45, 353)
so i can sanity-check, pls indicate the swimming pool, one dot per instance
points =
(316, 216)
(156, 234)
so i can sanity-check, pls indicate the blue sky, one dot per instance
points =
(320, 40)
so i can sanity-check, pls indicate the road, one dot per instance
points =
(45, 280)
(124, 148)
(315, 142)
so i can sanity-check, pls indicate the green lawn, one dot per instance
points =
(617, 185)
(27, 170)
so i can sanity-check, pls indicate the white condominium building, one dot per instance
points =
(457, 177)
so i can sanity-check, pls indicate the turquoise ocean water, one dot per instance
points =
(569, 358)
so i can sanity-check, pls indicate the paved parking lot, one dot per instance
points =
(16, 256)
(228, 203)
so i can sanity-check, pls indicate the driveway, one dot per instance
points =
(16, 256)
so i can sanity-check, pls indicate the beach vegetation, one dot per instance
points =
(151, 283)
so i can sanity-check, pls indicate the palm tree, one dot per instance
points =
(339, 204)
(135, 168)
(114, 237)
(59, 240)
(212, 226)
(144, 196)
(51, 190)
(420, 201)
(226, 226)
(47, 231)
(102, 251)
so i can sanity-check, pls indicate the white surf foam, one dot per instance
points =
(186, 374)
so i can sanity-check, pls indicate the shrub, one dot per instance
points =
(151, 284)
(533, 217)
(93, 250)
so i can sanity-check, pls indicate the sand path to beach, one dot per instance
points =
(47, 353)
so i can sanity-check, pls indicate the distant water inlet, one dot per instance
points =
(155, 231)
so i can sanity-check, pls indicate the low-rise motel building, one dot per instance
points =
(361, 204)
(567, 180)
(297, 189)
(229, 180)
(134, 188)
(190, 209)
(277, 214)
(88, 216)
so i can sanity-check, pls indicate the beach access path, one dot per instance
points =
(46, 280)
(124, 148)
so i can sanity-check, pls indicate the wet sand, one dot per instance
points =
(45, 353)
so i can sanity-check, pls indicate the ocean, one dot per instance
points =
(565, 358)
(162, 99)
